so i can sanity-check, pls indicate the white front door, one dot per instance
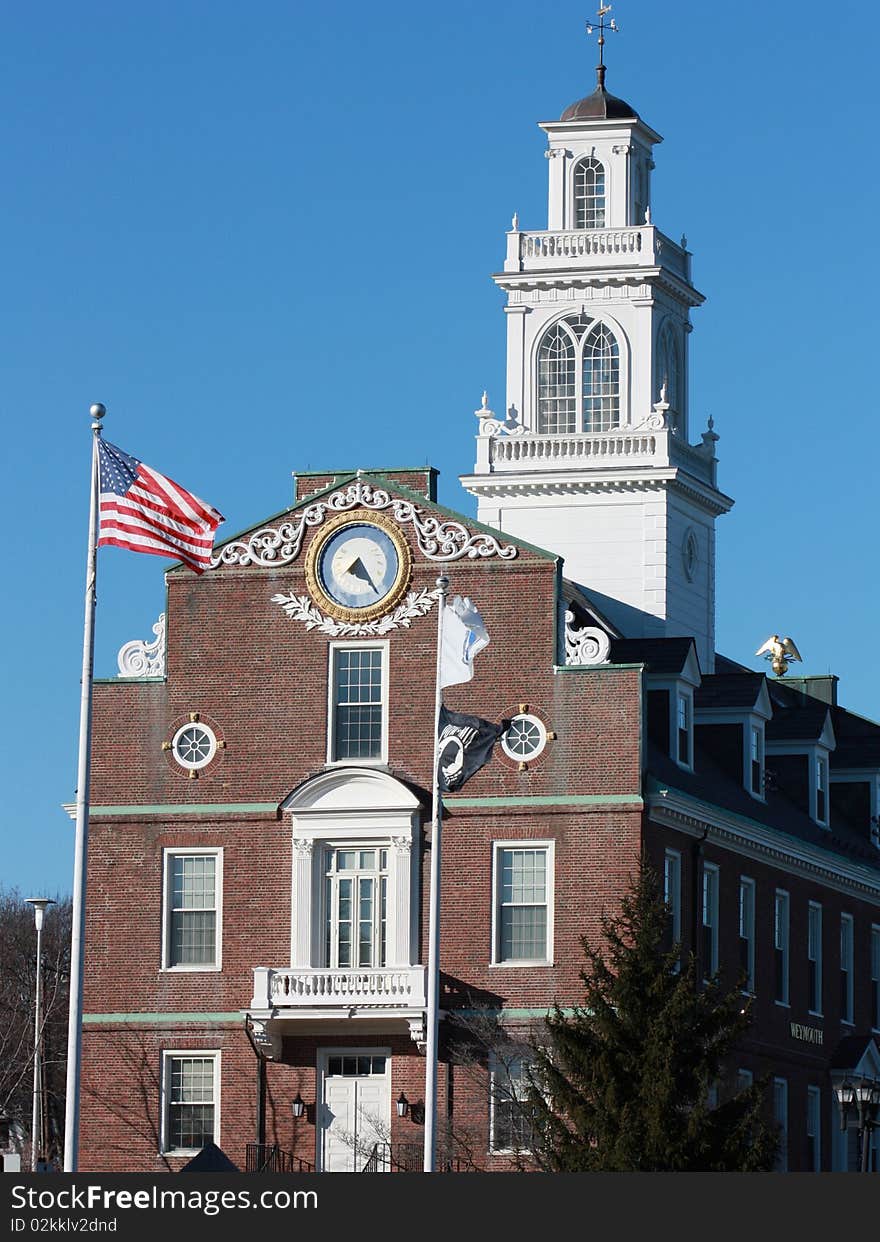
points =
(355, 1108)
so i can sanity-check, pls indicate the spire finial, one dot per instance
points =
(602, 27)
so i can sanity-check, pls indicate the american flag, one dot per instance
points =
(142, 510)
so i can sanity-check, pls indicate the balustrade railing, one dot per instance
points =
(642, 245)
(626, 447)
(401, 987)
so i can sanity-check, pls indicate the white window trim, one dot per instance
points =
(783, 892)
(495, 1061)
(521, 844)
(816, 905)
(781, 1122)
(180, 851)
(746, 882)
(814, 1122)
(754, 724)
(814, 752)
(673, 857)
(168, 1054)
(848, 1018)
(710, 868)
(683, 692)
(332, 648)
(875, 932)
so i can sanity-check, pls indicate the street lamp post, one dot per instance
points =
(39, 904)
(862, 1095)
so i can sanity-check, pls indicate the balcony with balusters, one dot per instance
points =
(596, 249)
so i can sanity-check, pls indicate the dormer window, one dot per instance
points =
(683, 732)
(821, 790)
(589, 194)
(756, 761)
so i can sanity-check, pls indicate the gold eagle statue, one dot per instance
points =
(780, 652)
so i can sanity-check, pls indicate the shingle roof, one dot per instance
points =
(662, 655)
(733, 690)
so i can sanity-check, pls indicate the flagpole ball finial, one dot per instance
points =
(442, 584)
(97, 410)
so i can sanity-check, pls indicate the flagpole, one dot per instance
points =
(432, 1018)
(77, 936)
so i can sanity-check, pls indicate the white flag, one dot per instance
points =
(464, 636)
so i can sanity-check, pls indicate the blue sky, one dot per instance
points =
(262, 236)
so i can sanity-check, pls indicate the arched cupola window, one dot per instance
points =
(589, 194)
(573, 346)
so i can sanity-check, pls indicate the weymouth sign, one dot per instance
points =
(809, 1034)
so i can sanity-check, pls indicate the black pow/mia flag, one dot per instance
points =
(464, 746)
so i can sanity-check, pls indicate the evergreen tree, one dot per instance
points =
(625, 1082)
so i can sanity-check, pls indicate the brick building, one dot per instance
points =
(260, 824)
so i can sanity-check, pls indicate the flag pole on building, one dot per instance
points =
(77, 937)
(432, 1019)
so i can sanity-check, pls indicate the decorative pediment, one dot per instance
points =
(440, 538)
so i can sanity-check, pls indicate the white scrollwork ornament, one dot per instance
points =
(588, 645)
(439, 539)
(142, 659)
(301, 608)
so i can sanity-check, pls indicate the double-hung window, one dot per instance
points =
(191, 909)
(356, 908)
(510, 1122)
(780, 946)
(672, 895)
(756, 761)
(875, 977)
(814, 1130)
(358, 709)
(780, 1117)
(747, 931)
(191, 1100)
(710, 919)
(523, 884)
(683, 730)
(846, 968)
(822, 791)
(814, 956)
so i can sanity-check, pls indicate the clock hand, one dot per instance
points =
(358, 569)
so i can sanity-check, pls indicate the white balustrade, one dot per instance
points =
(625, 448)
(400, 987)
(645, 246)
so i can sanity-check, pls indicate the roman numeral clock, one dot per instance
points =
(358, 566)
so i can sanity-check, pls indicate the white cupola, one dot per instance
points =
(593, 459)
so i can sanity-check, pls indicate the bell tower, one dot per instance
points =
(592, 458)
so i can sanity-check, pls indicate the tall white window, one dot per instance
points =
(814, 1130)
(190, 1100)
(747, 931)
(814, 956)
(846, 968)
(875, 977)
(672, 894)
(356, 908)
(710, 919)
(510, 1126)
(191, 909)
(523, 918)
(670, 371)
(780, 946)
(780, 1117)
(573, 346)
(589, 194)
(358, 703)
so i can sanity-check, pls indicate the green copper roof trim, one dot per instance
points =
(189, 808)
(317, 474)
(592, 668)
(157, 1019)
(543, 800)
(116, 681)
(568, 1012)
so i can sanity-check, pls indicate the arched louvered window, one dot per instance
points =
(589, 194)
(601, 380)
(557, 384)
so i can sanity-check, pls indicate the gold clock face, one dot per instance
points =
(358, 566)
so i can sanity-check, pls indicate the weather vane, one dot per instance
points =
(602, 27)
